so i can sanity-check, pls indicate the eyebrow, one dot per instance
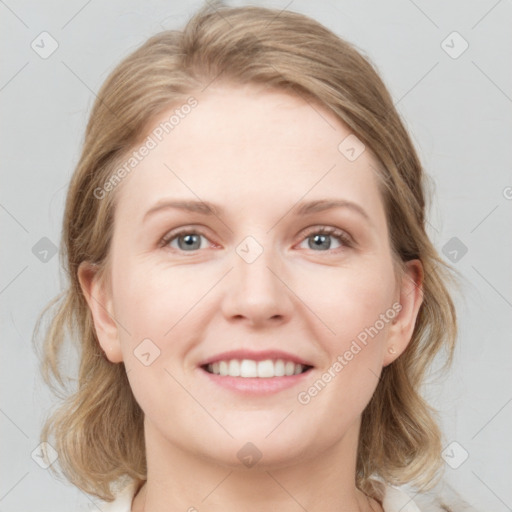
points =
(208, 209)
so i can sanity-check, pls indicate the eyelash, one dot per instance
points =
(318, 230)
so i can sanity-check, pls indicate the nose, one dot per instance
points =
(256, 291)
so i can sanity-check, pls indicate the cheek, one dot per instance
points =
(351, 300)
(152, 299)
(360, 312)
(150, 305)
(162, 308)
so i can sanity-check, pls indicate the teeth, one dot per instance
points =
(234, 368)
(223, 368)
(248, 368)
(289, 368)
(279, 368)
(266, 369)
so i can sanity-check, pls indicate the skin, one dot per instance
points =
(257, 153)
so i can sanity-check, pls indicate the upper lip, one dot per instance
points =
(255, 356)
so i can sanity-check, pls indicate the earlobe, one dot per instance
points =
(99, 300)
(411, 298)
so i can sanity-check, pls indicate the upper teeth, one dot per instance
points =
(250, 368)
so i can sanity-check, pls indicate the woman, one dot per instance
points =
(251, 284)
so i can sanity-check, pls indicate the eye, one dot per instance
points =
(320, 238)
(187, 240)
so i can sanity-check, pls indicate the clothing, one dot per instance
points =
(394, 500)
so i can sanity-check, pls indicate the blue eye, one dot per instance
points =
(189, 240)
(322, 238)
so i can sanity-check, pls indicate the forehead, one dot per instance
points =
(247, 143)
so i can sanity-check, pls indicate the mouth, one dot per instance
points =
(250, 368)
(251, 373)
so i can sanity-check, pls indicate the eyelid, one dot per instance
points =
(186, 230)
(344, 237)
(330, 230)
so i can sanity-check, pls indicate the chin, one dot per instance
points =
(259, 445)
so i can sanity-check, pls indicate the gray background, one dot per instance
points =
(457, 107)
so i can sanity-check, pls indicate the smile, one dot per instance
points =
(248, 368)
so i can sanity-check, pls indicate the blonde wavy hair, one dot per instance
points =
(97, 428)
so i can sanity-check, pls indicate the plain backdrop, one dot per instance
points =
(447, 66)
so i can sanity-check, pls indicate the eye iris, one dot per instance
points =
(191, 241)
(322, 239)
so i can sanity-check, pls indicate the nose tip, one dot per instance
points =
(255, 292)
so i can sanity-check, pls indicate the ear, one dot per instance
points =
(410, 295)
(99, 299)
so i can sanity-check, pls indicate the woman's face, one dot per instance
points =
(254, 282)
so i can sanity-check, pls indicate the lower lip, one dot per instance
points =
(256, 385)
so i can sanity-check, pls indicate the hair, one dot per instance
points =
(97, 429)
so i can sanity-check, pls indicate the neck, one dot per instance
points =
(185, 481)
